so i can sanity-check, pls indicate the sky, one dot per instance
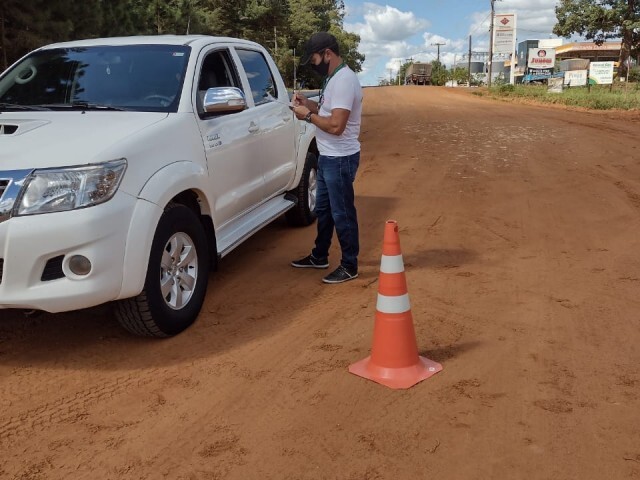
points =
(395, 31)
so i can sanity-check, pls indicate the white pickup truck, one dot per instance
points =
(130, 166)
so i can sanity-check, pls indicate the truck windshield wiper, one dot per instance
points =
(82, 106)
(15, 106)
(96, 106)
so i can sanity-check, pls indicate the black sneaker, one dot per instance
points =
(310, 262)
(339, 275)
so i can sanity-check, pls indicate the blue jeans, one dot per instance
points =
(335, 208)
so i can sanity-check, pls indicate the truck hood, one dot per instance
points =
(55, 139)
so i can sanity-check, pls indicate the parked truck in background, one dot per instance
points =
(418, 74)
(130, 166)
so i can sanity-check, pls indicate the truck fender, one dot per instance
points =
(173, 179)
(305, 145)
(158, 191)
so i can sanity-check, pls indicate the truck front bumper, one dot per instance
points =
(35, 252)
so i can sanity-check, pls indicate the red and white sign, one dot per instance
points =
(504, 35)
(541, 58)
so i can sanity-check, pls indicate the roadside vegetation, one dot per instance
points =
(282, 26)
(601, 97)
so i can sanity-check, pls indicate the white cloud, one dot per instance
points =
(384, 36)
(388, 24)
(389, 36)
(535, 18)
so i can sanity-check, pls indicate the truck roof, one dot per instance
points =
(192, 40)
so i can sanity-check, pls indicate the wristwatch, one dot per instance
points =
(307, 118)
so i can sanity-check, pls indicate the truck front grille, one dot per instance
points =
(11, 182)
(53, 269)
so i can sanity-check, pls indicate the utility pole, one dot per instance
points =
(275, 39)
(493, 14)
(3, 42)
(438, 45)
(469, 61)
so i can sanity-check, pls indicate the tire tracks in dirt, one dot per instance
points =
(69, 407)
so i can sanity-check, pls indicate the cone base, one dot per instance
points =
(397, 378)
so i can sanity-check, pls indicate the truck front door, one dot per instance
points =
(235, 171)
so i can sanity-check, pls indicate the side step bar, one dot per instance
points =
(237, 231)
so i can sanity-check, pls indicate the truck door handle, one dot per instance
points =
(253, 127)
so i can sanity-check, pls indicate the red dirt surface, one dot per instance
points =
(520, 230)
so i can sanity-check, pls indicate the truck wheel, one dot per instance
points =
(303, 213)
(176, 281)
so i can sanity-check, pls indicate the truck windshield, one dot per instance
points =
(133, 77)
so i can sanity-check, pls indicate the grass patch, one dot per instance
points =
(623, 97)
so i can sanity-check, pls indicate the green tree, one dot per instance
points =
(600, 20)
(263, 18)
(402, 73)
(309, 16)
(282, 26)
(28, 25)
(458, 74)
(111, 18)
(438, 73)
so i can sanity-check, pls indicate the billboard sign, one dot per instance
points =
(504, 33)
(542, 58)
(575, 78)
(601, 73)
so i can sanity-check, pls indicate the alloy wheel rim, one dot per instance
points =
(178, 271)
(313, 189)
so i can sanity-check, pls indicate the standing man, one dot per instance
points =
(337, 118)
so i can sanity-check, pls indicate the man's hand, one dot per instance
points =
(300, 100)
(300, 111)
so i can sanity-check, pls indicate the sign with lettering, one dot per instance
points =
(601, 73)
(575, 78)
(504, 33)
(542, 58)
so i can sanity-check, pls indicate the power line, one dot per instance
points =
(481, 24)
(438, 45)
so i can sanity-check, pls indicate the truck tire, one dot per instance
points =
(303, 213)
(176, 281)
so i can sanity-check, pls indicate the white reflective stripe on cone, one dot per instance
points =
(396, 304)
(391, 264)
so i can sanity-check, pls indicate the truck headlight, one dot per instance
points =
(63, 189)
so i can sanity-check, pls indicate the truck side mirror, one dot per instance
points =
(221, 100)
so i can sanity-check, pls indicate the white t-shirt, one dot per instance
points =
(342, 91)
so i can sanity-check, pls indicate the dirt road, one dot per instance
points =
(520, 230)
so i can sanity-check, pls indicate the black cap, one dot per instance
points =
(318, 42)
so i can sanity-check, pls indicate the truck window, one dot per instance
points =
(263, 85)
(217, 71)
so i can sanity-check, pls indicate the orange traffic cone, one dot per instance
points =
(394, 359)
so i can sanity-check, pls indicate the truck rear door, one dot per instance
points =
(274, 118)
